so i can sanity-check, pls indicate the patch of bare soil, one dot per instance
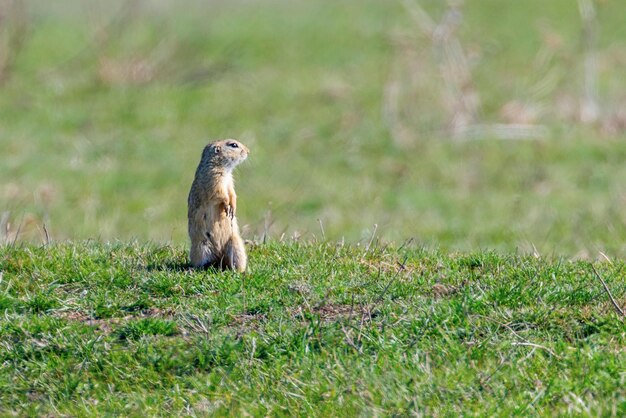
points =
(333, 311)
(106, 325)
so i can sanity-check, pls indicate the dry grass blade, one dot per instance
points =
(47, 235)
(401, 268)
(349, 340)
(608, 291)
(528, 344)
(369, 245)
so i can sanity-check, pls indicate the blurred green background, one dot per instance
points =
(484, 124)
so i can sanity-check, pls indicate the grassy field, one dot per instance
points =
(316, 329)
(396, 268)
(108, 107)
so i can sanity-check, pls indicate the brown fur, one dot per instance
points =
(213, 229)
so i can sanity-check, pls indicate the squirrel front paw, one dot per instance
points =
(230, 213)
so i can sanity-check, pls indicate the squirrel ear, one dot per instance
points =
(217, 149)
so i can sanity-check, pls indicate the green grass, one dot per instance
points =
(302, 83)
(109, 320)
(313, 329)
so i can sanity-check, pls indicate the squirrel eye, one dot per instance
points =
(233, 145)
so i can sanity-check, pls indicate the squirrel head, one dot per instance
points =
(226, 153)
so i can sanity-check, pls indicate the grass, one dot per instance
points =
(313, 329)
(99, 156)
(104, 115)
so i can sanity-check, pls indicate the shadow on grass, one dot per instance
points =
(178, 267)
(173, 266)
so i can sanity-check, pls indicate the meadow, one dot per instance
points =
(432, 197)
(107, 108)
(316, 329)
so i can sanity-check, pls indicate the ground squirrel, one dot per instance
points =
(215, 239)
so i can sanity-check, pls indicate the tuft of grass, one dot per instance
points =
(147, 326)
(315, 328)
